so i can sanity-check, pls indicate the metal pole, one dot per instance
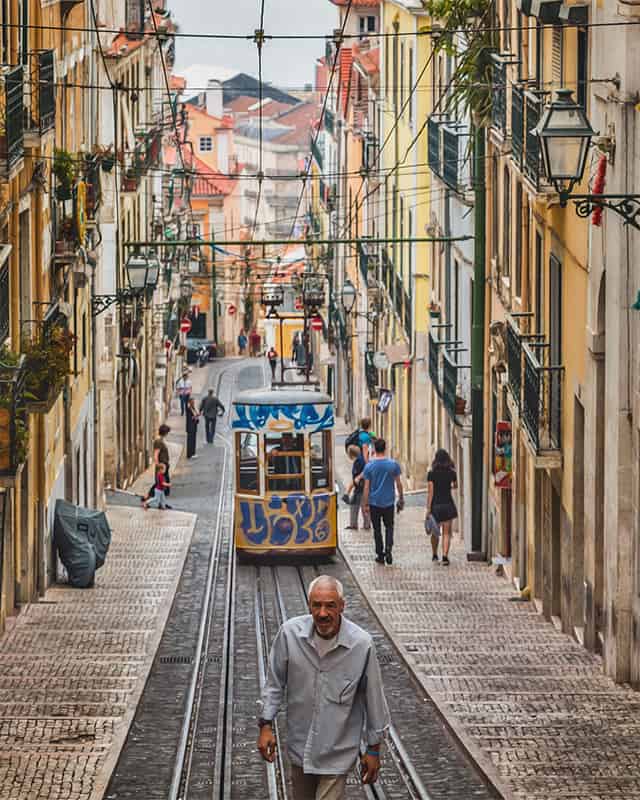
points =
(477, 348)
(214, 296)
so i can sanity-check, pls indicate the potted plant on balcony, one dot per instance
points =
(64, 169)
(14, 433)
(47, 366)
(105, 156)
(434, 310)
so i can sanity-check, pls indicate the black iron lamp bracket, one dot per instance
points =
(101, 302)
(626, 205)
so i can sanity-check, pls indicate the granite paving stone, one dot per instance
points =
(73, 666)
(529, 703)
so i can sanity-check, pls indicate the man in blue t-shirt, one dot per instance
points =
(381, 479)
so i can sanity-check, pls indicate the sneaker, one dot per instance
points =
(445, 561)
(193, 457)
(380, 559)
(389, 558)
(434, 558)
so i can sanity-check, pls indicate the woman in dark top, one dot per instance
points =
(441, 479)
(192, 418)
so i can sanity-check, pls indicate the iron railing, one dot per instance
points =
(315, 152)
(12, 136)
(434, 363)
(434, 149)
(13, 418)
(499, 96)
(44, 114)
(4, 301)
(517, 124)
(514, 360)
(532, 161)
(541, 398)
(329, 121)
(449, 383)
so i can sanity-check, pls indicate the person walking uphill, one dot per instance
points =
(441, 479)
(381, 479)
(192, 427)
(211, 408)
(327, 668)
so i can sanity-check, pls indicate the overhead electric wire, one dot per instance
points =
(259, 40)
(314, 141)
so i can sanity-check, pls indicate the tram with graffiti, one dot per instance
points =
(285, 500)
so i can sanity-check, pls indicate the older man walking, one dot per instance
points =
(328, 667)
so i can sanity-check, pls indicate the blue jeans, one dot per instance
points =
(184, 399)
(159, 499)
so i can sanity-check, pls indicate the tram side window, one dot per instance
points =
(320, 444)
(285, 462)
(248, 464)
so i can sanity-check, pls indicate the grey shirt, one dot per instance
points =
(209, 406)
(332, 701)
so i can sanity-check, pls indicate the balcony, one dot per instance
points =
(448, 153)
(41, 113)
(434, 363)
(47, 361)
(513, 341)
(12, 129)
(541, 399)
(532, 164)
(434, 147)
(4, 301)
(453, 394)
(499, 95)
(517, 124)
(14, 434)
(315, 152)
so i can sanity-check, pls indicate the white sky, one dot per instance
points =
(287, 64)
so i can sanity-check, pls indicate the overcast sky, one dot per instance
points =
(289, 64)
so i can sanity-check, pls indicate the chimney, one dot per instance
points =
(214, 98)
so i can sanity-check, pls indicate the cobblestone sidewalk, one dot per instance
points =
(531, 705)
(73, 666)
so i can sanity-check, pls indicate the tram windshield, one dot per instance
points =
(285, 462)
(248, 466)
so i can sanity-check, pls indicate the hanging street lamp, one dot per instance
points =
(348, 296)
(143, 272)
(565, 134)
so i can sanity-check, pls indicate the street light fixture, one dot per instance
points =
(565, 134)
(143, 272)
(348, 296)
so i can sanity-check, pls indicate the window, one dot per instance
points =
(320, 448)
(248, 475)
(494, 208)
(557, 56)
(506, 224)
(206, 144)
(582, 62)
(402, 87)
(539, 285)
(285, 462)
(518, 232)
(367, 25)
(410, 85)
(84, 334)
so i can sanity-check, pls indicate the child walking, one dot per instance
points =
(159, 496)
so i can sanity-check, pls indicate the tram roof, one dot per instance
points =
(281, 397)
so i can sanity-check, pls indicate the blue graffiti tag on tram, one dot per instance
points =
(291, 520)
(255, 418)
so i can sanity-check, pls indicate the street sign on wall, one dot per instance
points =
(231, 309)
(185, 325)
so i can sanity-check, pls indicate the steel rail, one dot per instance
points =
(277, 789)
(182, 765)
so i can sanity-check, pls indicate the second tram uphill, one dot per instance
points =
(285, 501)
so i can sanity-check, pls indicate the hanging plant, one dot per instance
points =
(64, 168)
(47, 364)
(14, 433)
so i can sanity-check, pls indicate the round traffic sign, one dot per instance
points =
(298, 304)
(231, 309)
(317, 324)
(185, 325)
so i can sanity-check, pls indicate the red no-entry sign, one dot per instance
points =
(185, 325)
(317, 324)
(231, 309)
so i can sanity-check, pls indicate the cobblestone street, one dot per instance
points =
(541, 720)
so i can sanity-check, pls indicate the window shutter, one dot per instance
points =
(556, 57)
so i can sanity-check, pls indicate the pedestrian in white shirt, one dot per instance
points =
(184, 388)
(328, 668)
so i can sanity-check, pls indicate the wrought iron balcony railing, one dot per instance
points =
(12, 116)
(42, 106)
(316, 153)
(499, 95)
(13, 418)
(434, 363)
(532, 165)
(453, 396)
(513, 338)
(517, 124)
(542, 398)
(4, 301)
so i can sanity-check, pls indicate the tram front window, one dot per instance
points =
(285, 462)
(247, 450)
(320, 445)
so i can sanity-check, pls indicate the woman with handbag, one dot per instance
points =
(441, 509)
(356, 489)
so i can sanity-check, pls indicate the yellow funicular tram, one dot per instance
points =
(285, 500)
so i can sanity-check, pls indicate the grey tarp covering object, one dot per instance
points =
(82, 537)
